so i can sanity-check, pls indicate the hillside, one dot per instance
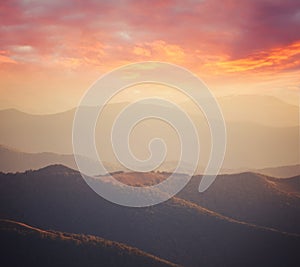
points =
(24, 245)
(177, 230)
(251, 197)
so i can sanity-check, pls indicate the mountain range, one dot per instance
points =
(262, 132)
(182, 230)
(13, 160)
(249, 216)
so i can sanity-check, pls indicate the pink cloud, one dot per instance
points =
(102, 32)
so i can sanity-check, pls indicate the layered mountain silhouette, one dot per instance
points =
(180, 230)
(13, 160)
(262, 132)
(281, 172)
(264, 110)
(24, 245)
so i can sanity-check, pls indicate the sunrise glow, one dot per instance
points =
(52, 51)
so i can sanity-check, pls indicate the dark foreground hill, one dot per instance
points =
(177, 230)
(23, 245)
(251, 197)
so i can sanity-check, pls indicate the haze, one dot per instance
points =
(52, 51)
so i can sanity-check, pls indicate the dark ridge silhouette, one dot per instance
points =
(177, 230)
(251, 197)
(57, 169)
(290, 185)
(24, 245)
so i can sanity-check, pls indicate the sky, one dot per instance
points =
(51, 51)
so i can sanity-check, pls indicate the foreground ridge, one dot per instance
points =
(31, 244)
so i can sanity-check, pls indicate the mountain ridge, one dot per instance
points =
(175, 230)
(95, 247)
(14, 160)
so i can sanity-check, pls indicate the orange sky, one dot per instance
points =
(52, 50)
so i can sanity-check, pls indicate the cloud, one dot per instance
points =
(280, 58)
(5, 59)
(159, 50)
(232, 35)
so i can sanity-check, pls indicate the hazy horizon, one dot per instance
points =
(49, 61)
